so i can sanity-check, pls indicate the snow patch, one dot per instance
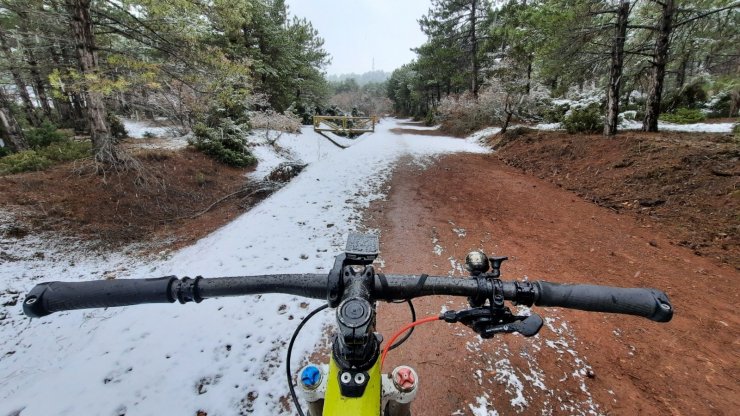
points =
(482, 407)
(139, 129)
(483, 134)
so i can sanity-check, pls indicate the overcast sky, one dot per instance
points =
(356, 31)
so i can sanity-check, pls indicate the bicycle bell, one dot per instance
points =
(476, 262)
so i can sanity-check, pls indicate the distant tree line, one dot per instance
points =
(660, 55)
(366, 99)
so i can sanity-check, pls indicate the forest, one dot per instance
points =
(587, 64)
(75, 68)
(80, 65)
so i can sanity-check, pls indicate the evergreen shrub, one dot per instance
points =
(44, 135)
(27, 160)
(66, 151)
(684, 116)
(584, 120)
(225, 143)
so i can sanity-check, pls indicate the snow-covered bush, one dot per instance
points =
(272, 120)
(498, 104)
(724, 103)
(630, 115)
(554, 113)
(463, 114)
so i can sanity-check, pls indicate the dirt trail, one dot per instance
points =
(581, 362)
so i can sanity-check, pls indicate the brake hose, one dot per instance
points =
(411, 331)
(401, 331)
(290, 352)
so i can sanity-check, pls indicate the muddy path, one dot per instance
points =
(580, 363)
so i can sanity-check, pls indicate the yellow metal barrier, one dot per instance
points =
(344, 124)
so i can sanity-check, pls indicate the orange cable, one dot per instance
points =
(399, 333)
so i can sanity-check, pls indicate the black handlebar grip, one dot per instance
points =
(649, 303)
(46, 298)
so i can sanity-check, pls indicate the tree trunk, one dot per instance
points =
(61, 104)
(474, 44)
(660, 58)
(38, 81)
(506, 122)
(681, 74)
(78, 111)
(615, 71)
(529, 76)
(82, 30)
(20, 85)
(12, 132)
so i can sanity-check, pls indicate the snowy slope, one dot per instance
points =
(222, 356)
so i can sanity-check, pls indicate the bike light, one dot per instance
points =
(476, 262)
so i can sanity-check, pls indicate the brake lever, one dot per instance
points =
(528, 326)
(487, 322)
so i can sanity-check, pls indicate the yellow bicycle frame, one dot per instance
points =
(367, 405)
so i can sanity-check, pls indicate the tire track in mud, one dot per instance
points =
(580, 363)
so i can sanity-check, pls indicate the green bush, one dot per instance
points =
(555, 113)
(66, 151)
(689, 96)
(44, 135)
(24, 161)
(431, 118)
(40, 159)
(684, 116)
(584, 120)
(4, 151)
(225, 143)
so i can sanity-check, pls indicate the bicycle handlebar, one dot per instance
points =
(50, 297)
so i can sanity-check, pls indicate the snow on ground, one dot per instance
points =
(484, 133)
(223, 356)
(625, 125)
(694, 128)
(138, 129)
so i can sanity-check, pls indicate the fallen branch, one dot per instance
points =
(266, 186)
